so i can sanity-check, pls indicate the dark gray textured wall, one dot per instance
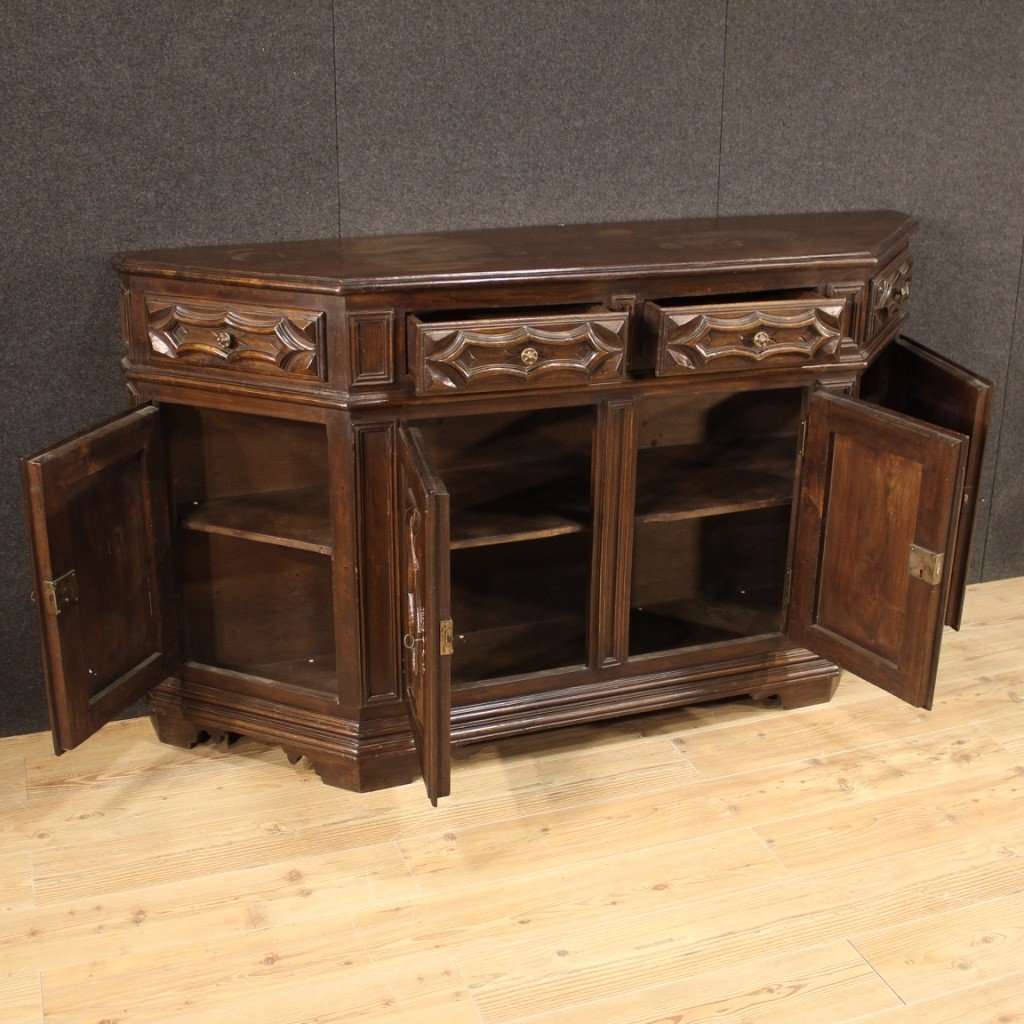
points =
(157, 124)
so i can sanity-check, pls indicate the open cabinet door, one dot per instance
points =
(424, 562)
(914, 380)
(98, 525)
(876, 524)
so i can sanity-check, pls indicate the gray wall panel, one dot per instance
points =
(481, 112)
(129, 125)
(913, 105)
(1004, 552)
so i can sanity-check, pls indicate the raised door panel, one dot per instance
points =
(876, 523)
(921, 383)
(424, 566)
(98, 524)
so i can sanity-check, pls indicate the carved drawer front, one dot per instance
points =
(744, 335)
(890, 291)
(517, 352)
(258, 340)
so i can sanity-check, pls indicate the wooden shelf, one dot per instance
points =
(694, 621)
(518, 649)
(691, 481)
(509, 503)
(292, 519)
(318, 674)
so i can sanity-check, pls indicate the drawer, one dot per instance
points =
(742, 335)
(235, 339)
(517, 352)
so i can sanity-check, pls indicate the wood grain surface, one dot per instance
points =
(861, 860)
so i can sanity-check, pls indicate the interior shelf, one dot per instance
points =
(693, 480)
(316, 673)
(296, 518)
(704, 620)
(517, 649)
(501, 504)
(521, 609)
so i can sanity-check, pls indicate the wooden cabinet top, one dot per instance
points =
(571, 251)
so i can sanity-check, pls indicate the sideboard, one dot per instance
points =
(375, 497)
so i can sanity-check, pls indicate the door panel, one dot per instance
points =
(877, 517)
(914, 380)
(424, 564)
(98, 524)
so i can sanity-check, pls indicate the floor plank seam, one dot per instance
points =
(42, 997)
(460, 883)
(469, 991)
(921, 792)
(32, 877)
(558, 804)
(903, 1001)
(924, 918)
(789, 873)
(665, 984)
(902, 741)
(677, 750)
(661, 794)
(408, 867)
(375, 961)
(984, 726)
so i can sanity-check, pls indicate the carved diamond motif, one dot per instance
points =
(249, 339)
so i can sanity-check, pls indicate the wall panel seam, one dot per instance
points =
(337, 129)
(721, 109)
(1001, 418)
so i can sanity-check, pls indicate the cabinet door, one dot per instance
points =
(98, 525)
(876, 525)
(424, 564)
(912, 379)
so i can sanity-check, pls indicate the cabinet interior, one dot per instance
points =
(715, 480)
(521, 526)
(253, 544)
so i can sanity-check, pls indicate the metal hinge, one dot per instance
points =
(803, 439)
(925, 565)
(787, 587)
(60, 593)
(447, 636)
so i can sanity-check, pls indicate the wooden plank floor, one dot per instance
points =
(855, 861)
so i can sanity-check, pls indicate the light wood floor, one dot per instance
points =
(858, 860)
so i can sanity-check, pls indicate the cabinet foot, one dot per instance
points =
(365, 774)
(802, 695)
(178, 732)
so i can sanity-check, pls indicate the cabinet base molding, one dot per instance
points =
(184, 714)
(808, 678)
(380, 754)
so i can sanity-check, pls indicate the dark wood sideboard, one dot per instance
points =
(379, 496)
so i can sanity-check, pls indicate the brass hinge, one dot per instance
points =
(447, 636)
(803, 439)
(787, 587)
(925, 565)
(60, 593)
